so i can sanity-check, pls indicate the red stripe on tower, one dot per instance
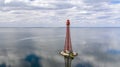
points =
(68, 45)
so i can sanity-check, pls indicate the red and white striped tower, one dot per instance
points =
(68, 52)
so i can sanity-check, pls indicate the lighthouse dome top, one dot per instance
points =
(68, 22)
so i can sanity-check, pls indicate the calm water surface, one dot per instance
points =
(40, 47)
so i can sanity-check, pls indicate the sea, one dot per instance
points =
(41, 47)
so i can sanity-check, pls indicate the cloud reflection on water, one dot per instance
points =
(18, 45)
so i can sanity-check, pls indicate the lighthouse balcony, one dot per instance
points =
(68, 54)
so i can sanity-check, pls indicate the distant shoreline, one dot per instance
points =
(59, 27)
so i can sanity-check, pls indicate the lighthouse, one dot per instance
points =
(68, 53)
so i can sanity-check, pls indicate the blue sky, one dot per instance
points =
(54, 13)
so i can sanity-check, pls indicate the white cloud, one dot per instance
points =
(54, 12)
(7, 1)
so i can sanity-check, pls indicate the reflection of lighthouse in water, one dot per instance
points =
(68, 52)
